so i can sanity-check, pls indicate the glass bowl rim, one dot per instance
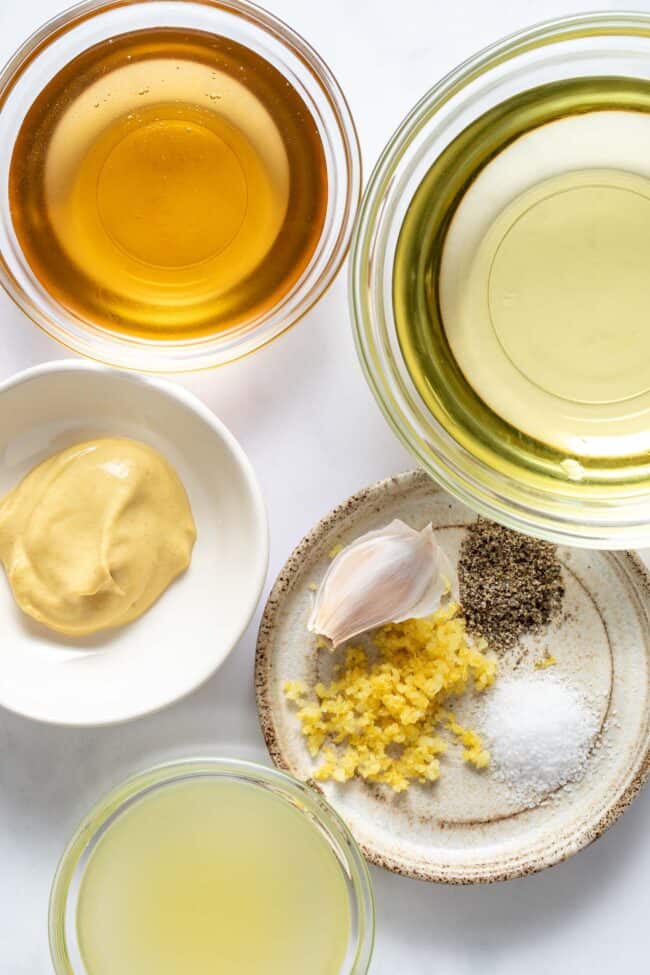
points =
(344, 182)
(532, 512)
(334, 830)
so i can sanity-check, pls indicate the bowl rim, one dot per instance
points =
(177, 395)
(335, 831)
(478, 485)
(125, 351)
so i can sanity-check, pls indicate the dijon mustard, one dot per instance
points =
(93, 535)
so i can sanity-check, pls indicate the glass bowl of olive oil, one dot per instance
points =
(178, 180)
(205, 865)
(499, 283)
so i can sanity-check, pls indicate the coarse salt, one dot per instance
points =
(540, 730)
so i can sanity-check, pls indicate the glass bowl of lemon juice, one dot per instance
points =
(205, 865)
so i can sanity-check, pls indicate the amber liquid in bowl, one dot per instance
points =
(168, 184)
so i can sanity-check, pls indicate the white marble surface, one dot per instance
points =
(302, 411)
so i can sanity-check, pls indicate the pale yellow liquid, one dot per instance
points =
(208, 877)
(547, 313)
(568, 285)
(522, 292)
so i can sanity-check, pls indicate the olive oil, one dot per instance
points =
(521, 290)
(207, 876)
(168, 184)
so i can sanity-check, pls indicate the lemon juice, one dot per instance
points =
(206, 876)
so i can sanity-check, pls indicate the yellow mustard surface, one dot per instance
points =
(380, 718)
(92, 536)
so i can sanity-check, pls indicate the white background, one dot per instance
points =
(302, 412)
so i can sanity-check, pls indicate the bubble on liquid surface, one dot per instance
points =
(572, 468)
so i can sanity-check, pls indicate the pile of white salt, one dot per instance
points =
(540, 731)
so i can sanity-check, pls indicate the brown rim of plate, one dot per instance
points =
(629, 561)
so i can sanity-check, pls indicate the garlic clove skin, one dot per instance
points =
(388, 575)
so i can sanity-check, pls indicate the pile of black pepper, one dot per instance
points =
(509, 584)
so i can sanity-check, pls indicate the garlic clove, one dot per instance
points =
(443, 584)
(387, 575)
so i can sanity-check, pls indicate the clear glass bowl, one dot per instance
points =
(559, 509)
(65, 888)
(52, 46)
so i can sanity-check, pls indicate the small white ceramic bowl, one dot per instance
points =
(126, 672)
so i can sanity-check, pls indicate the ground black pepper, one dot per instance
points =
(509, 584)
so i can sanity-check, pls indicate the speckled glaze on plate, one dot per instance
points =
(466, 828)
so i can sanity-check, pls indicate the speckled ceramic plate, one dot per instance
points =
(466, 827)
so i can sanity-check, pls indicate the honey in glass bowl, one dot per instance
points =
(168, 184)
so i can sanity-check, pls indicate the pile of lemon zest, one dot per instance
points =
(379, 719)
(334, 551)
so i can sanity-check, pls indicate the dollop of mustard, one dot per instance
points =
(94, 535)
